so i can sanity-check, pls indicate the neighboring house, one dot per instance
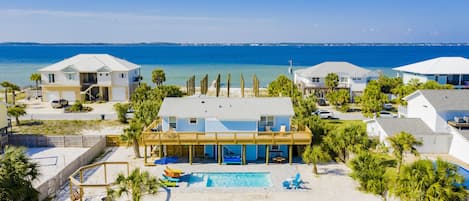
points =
(432, 114)
(4, 122)
(214, 128)
(90, 77)
(444, 70)
(351, 77)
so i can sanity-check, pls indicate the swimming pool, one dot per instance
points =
(230, 179)
(465, 173)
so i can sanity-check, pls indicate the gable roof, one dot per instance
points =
(91, 63)
(226, 108)
(440, 65)
(339, 67)
(414, 126)
(444, 100)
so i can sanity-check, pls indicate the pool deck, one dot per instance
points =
(332, 184)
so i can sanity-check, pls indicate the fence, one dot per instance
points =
(96, 145)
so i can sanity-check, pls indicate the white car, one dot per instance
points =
(386, 114)
(324, 114)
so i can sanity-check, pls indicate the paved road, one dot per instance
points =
(344, 116)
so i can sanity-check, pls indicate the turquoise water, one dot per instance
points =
(231, 179)
(17, 62)
(465, 173)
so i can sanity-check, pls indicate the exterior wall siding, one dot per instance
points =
(419, 107)
(406, 77)
(213, 125)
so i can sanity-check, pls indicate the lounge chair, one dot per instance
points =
(293, 183)
(171, 174)
(171, 178)
(167, 183)
(232, 160)
(166, 160)
(174, 170)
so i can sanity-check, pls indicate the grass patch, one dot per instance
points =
(60, 127)
(337, 123)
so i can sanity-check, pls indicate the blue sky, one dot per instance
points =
(234, 21)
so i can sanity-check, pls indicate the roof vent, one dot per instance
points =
(219, 106)
(202, 102)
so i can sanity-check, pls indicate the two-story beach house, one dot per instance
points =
(440, 118)
(444, 70)
(225, 128)
(351, 77)
(90, 77)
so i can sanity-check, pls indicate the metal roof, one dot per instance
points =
(440, 65)
(414, 126)
(226, 108)
(338, 67)
(445, 100)
(91, 63)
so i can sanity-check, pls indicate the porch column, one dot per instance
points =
(145, 154)
(101, 97)
(267, 155)
(244, 154)
(160, 151)
(290, 153)
(219, 154)
(190, 154)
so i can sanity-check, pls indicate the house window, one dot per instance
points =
(122, 75)
(107, 74)
(51, 78)
(356, 78)
(266, 121)
(275, 147)
(70, 76)
(343, 79)
(315, 79)
(193, 120)
(172, 122)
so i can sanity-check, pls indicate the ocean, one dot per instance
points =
(17, 62)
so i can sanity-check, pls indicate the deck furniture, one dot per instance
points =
(293, 183)
(278, 159)
(167, 183)
(172, 174)
(458, 125)
(171, 178)
(174, 170)
(232, 160)
(166, 160)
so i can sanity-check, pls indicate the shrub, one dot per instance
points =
(121, 110)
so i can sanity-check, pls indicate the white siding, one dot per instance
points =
(419, 107)
(406, 77)
(60, 79)
(104, 78)
(117, 79)
(459, 147)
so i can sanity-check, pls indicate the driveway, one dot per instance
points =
(36, 109)
(342, 115)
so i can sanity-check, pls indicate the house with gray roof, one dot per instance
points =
(351, 77)
(437, 113)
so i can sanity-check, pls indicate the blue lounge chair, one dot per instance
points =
(166, 160)
(232, 160)
(170, 178)
(294, 182)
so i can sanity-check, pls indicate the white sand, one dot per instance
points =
(332, 184)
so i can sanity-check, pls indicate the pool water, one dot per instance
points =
(231, 179)
(465, 173)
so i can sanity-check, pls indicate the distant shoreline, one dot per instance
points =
(280, 44)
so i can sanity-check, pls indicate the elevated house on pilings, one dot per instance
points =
(218, 129)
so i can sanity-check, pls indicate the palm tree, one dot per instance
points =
(132, 135)
(347, 139)
(314, 155)
(428, 180)
(17, 172)
(401, 143)
(136, 184)
(6, 85)
(36, 77)
(158, 76)
(13, 89)
(16, 112)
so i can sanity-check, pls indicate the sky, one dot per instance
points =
(235, 21)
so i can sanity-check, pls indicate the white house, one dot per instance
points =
(312, 80)
(90, 77)
(444, 70)
(434, 116)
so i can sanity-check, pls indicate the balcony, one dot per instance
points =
(151, 137)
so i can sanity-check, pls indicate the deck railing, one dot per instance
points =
(203, 138)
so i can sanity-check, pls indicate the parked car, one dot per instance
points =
(386, 114)
(387, 106)
(130, 113)
(324, 114)
(322, 102)
(60, 103)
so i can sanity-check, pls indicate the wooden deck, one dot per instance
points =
(458, 125)
(223, 138)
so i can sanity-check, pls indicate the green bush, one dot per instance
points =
(121, 110)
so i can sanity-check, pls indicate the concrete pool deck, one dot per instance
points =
(332, 184)
(52, 160)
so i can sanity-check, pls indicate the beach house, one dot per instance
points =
(224, 129)
(440, 118)
(90, 77)
(351, 77)
(444, 70)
